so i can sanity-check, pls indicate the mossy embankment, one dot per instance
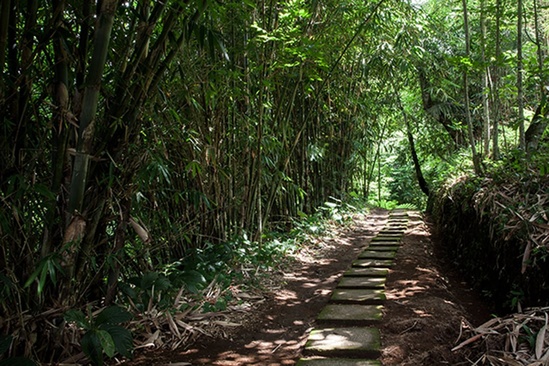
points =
(495, 229)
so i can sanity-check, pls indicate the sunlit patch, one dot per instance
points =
(405, 288)
(422, 313)
(286, 295)
(394, 352)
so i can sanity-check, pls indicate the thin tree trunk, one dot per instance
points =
(476, 161)
(423, 185)
(89, 107)
(539, 120)
(486, 82)
(495, 89)
(520, 92)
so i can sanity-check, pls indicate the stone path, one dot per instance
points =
(346, 334)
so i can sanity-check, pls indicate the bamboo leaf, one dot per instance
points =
(113, 315)
(526, 257)
(540, 340)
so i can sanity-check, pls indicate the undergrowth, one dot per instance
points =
(495, 229)
(207, 282)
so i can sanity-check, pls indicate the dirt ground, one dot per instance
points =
(427, 303)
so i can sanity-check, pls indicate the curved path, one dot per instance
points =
(346, 333)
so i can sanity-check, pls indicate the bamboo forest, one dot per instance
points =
(164, 160)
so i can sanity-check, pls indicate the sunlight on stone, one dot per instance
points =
(333, 340)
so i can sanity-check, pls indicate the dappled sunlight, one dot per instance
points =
(422, 313)
(259, 352)
(285, 295)
(333, 339)
(404, 289)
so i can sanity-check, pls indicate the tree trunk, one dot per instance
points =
(520, 92)
(89, 107)
(495, 85)
(537, 126)
(486, 82)
(476, 160)
(539, 121)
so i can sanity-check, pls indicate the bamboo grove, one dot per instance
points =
(136, 132)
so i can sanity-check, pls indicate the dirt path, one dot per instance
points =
(421, 322)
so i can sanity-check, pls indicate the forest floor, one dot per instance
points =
(427, 305)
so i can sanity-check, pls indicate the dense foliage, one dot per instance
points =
(152, 148)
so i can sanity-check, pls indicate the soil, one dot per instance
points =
(428, 304)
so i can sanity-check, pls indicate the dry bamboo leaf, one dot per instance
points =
(541, 226)
(526, 257)
(173, 327)
(140, 231)
(540, 340)
(485, 327)
(513, 339)
(226, 324)
(502, 361)
(545, 357)
(467, 341)
(150, 341)
(190, 328)
(75, 230)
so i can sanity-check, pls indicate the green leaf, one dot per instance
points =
(148, 280)
(113, 315)
(107, 343)
(78, 317)
(162, 283)
(123, 340)
(91, 346)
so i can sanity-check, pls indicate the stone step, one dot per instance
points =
(389, 236)
(386, 239)
(384, 263)
(358, 296)
(336, 362)
(395, 244)
(383, 248)
(345, 336)
(376, 254)
(350, 314)
(391, 231)
(366, 272)
(362, 282)
(350, 342)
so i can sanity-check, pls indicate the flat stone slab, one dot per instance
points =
(350, 341)
(372, 263)
(362, 282)
(393, 239)
(397, 232)
(383, 248)
(374, 254)
(396, 226)
(367, 272)
(389, 235)
(336, 362)
(395, 244)
(350, 312)
(365, 296)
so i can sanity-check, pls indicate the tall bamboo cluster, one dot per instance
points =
(134, 132)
